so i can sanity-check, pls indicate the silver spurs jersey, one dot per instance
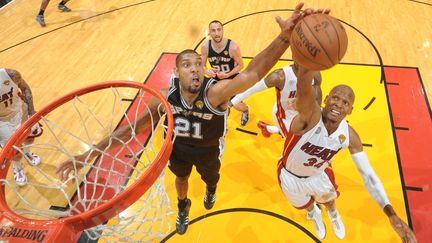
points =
(199, 125)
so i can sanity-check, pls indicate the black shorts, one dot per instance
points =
(206, 161)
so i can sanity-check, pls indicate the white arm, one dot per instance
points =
(260, 86)
(370, 179)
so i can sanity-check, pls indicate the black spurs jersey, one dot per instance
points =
(222, 61)
(200, 125)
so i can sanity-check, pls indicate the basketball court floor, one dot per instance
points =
(387, 64)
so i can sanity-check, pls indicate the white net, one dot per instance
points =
(74, 128)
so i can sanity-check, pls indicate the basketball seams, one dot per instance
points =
(317, 39)
(296, 49)
(337, 35)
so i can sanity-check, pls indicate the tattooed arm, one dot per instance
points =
(25, 89)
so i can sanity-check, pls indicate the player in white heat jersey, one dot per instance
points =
(285, 82)
(16, 102)
(315, 135)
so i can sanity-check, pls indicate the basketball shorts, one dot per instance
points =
(301, 192)
(206, 160)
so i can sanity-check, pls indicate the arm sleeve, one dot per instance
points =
(259, 86)
(370, 179)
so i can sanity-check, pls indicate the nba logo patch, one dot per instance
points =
(226, 52)
(342, 138)
(199, 104)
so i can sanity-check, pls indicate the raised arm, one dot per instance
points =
(274, 79)
(144, 121)
(309, 111)
(25, 89)
(375, 187)
(220, 93)
(317, 86)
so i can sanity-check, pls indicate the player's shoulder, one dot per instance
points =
(354, 136)
(233, 46)
(205, 46)
(10, 71)
(354, 139)
(14, 74)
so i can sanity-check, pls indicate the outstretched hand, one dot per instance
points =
(287, 25)
(66, 167)
(402, 229)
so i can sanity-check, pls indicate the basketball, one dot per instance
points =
(318, 42)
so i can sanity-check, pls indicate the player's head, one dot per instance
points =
(216, 31)
(338, 103)
(189, 70)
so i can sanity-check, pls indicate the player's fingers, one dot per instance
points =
(280, 21)
(65, 174)
(327, 11)
(59, 169)
(411, 237)
(299, 7)
(308, 11)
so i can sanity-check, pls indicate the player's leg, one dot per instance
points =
(182, 169)
(62, 6)
(6, 131)
(208, 166)
(40, 17)
(32, 158)
(336, 220)
(296, 190)
(244, 109)
(326, 193)
(266, 129)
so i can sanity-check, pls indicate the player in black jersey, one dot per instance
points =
(200, 106)
(225, 60)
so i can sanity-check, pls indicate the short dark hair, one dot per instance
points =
(181, 54)
(215, 21)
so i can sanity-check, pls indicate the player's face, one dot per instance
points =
(338, 104)
(190, 72)
(216, 32)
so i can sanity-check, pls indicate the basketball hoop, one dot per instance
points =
(102, 191)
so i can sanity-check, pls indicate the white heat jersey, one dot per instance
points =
(10, 102)
(283, 109)
(311, 153)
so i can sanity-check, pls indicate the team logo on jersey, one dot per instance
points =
(6, 82)
(199, 104)
(225, 52)
(342, 138)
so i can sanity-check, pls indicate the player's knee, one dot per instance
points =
(182, 179)
(211, 179)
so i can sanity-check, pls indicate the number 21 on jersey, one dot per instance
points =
(185, 128)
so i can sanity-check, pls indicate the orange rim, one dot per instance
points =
(115, 205)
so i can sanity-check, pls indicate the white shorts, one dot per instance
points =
(301, 192)
(8, 128)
